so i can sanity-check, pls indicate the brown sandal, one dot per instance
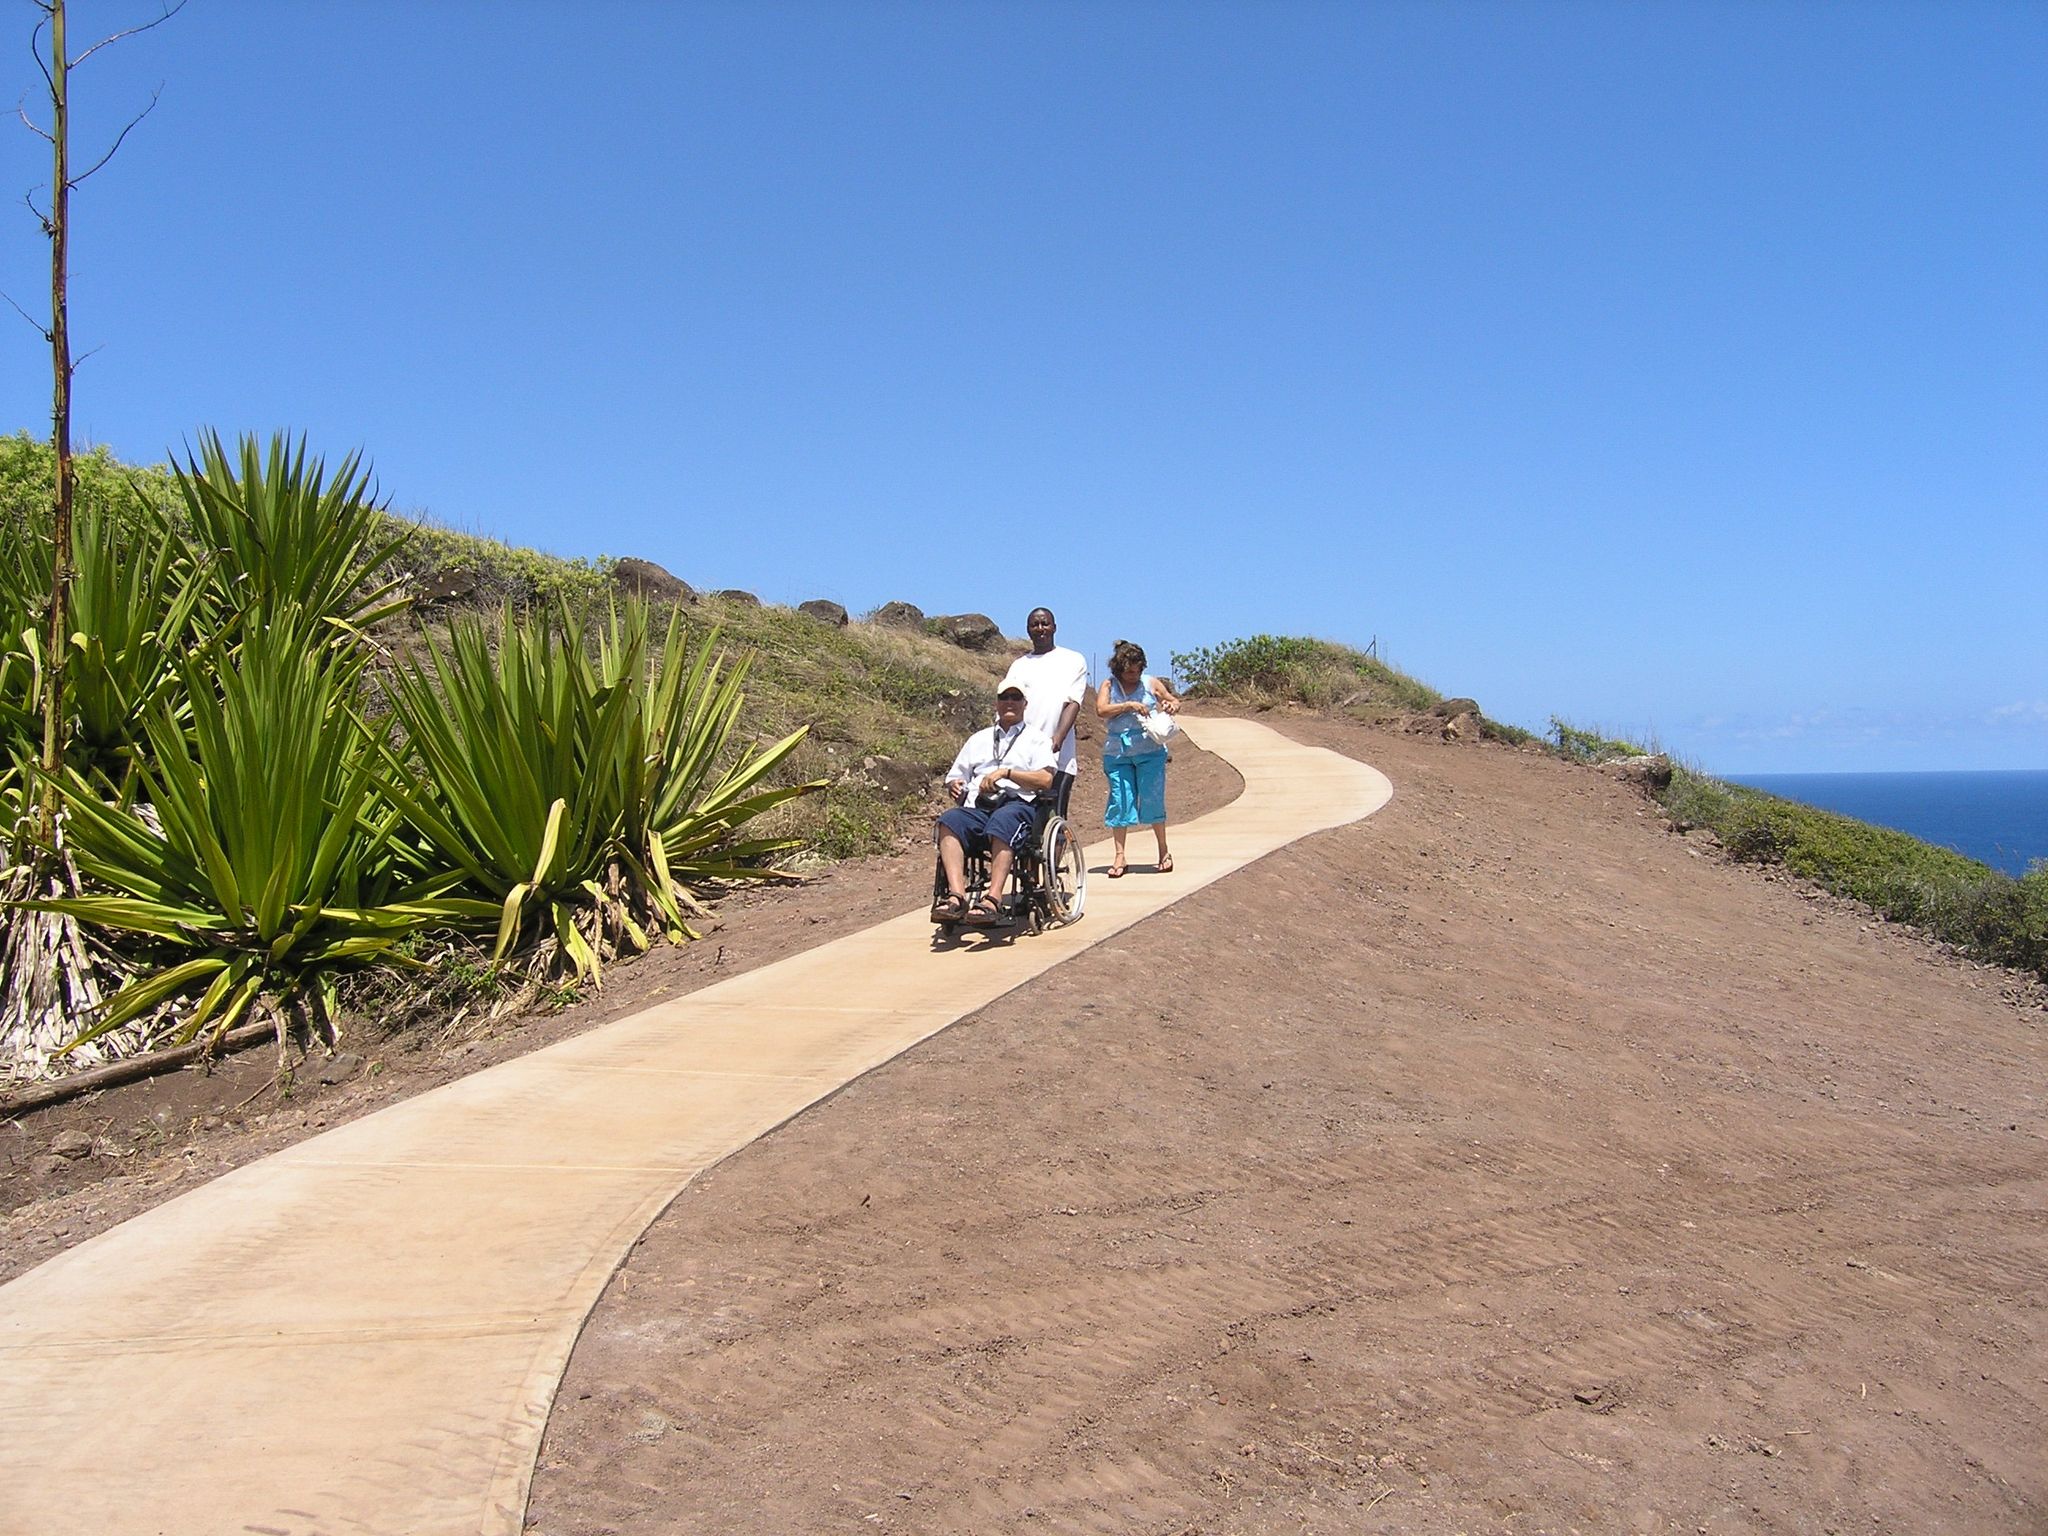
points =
(1165, 865)
(949, 909)
(983, 913)
(1115, 871)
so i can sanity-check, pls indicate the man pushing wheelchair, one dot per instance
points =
(996, 778)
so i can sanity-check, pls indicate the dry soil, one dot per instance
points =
(1501, 1163)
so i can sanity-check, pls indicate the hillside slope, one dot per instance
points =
(1502, 1162)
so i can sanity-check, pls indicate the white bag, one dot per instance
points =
(1159, 725)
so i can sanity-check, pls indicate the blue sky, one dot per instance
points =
(1680, 369)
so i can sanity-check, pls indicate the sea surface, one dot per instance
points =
(2000, 817)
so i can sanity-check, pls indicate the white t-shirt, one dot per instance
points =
(1050, 682)
(1023, 747)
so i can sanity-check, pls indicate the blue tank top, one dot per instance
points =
(1124, 735)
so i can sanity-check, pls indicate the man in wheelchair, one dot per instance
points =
(997, 776)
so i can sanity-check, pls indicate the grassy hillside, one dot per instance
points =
(308, 741)
(882, 709)
(1982, 911)
(1320, 674)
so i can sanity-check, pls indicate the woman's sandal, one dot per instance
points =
(1164, 866)
(949, 909)
(1115, 871)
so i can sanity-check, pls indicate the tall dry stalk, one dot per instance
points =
(58, 225)
(48, 985)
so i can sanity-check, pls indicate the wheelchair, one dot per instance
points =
(1048, 884)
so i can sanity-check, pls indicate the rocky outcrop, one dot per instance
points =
(899, 616)
(1650, 772)
(736, 595)
(643, 578)
(825, 611)
(1448, 720)
(970, 631)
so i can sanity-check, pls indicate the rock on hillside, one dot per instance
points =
(643, 578)
(970, 631)
(899, 616)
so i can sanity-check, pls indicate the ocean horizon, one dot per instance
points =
(1997, 815)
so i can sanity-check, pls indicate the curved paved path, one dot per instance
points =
(364, 1333)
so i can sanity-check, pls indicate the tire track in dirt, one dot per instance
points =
(1336, 1238)
(1107, 1337)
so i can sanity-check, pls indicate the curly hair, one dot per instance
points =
(1126, 653)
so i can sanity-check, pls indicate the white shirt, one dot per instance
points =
(1022, 747)
(1050, 682)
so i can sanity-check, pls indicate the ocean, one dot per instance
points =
(2000, 817)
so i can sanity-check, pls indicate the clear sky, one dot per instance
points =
(1676, 368)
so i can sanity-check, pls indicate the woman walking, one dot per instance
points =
(1133, 760)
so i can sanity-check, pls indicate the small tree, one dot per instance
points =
(45, 970)
(56, 222)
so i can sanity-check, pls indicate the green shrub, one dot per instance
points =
(491, 574)
(1583, 746)
(1295, 669)
(1500, 730)
(102, 483)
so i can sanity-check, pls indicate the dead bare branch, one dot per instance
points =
(169, 12)
(79, 180)
(21, 111)
(41, 329)
(35, 49)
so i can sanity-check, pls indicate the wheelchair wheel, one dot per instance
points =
(1063, 873)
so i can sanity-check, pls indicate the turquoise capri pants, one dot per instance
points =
(1137, 789)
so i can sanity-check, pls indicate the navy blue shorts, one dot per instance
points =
(1012, 821)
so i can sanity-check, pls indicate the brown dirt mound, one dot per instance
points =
(1499, 1163)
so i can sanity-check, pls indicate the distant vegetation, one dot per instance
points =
(1318, 674)
(1274, 669)
(1980, 910)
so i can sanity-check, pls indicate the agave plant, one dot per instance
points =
(17, 729)
(138, 606)
(506, 783)
(135, 600)
(280, 534)
(564, 789)
(257, 860)
(22, 592)
(687, 793)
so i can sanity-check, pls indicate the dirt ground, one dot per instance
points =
(1501, 1163)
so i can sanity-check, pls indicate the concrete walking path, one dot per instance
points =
(363, 1333)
